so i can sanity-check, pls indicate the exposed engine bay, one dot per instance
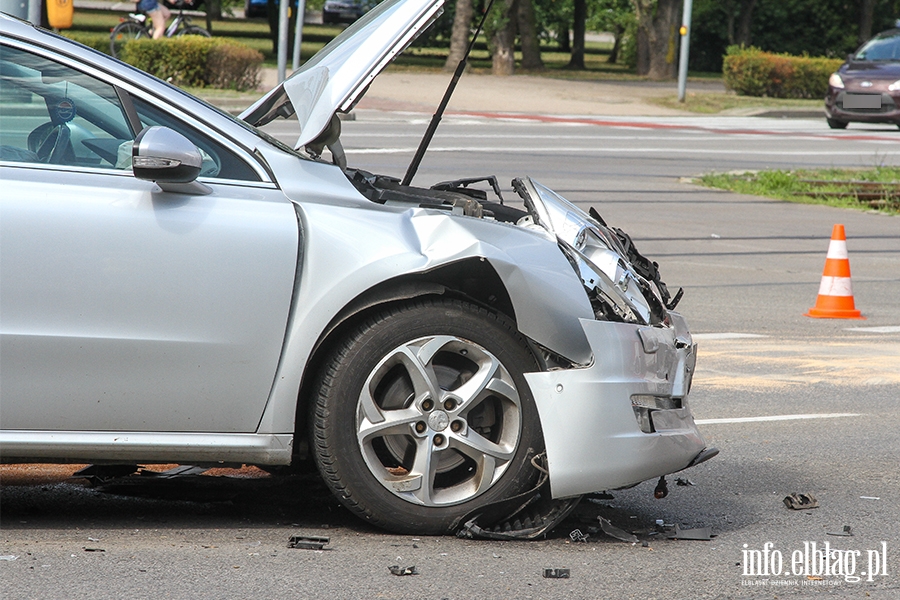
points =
(621, 283)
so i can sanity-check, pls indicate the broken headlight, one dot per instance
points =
(616, 291)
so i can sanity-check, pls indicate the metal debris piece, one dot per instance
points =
(94, 550)
(801, 501)
(99, 474)
(532, 522)
(556, 573)
(308, 542)
(703, 534)
(683, 481)
(662, 490)
(613, 531)
(601, 496)
(843, 533)
(577, 536)
(401, 571)
(179, 471)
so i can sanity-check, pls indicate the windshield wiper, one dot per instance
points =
(436, 119)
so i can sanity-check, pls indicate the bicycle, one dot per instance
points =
(135, 26)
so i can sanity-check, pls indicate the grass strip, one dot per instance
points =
(875, 189)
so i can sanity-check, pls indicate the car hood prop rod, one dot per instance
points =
(436, 118)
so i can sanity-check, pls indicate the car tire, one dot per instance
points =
(423, 415)
(836, 124)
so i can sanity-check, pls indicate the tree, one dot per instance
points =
(615, 17)
(657, 37)
(740, 13)
(459, 36)
(866, 18)
(579, 25)
(503, 37)
(528, 36)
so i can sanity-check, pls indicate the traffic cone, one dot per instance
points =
(835, 299)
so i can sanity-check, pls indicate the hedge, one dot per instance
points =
(197, 61)
(752, 72)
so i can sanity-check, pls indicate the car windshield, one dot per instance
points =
(881, 49)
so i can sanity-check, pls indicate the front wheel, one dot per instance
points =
(836, 124)
(123, 33)
(423, 415)
(193, 30)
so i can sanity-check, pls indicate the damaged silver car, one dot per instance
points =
(177, 286)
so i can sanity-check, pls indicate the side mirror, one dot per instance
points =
(850, 57)
(169, 159)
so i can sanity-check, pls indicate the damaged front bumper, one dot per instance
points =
(625, 418)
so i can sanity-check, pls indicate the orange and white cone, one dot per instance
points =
(835, 299)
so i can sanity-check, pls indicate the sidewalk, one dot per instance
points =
(522, 94)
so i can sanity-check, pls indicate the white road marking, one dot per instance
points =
(726, 336)
(544, 149)
(888, 329)
(775, 418)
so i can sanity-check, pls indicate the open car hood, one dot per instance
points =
(335, 78)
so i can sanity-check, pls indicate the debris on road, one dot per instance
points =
(577, 536)
(684, 481)
(613, 531)
(845, 532)
(308, 542)
(662, 490)
(532, 522)
(100, 474)
(869, 498)
(94, 549)
(556, 573)
(801, 501)
(9, 557)
(401, 571)
(703, 534)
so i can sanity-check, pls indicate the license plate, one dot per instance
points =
(862, 101)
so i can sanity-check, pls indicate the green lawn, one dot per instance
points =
(876, 189)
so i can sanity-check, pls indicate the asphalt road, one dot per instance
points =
(750, 268)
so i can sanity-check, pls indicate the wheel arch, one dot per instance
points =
(473, 280)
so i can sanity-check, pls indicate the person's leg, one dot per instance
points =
(160, 17)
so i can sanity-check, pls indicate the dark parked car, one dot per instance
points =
(344, 11)
(866, 89)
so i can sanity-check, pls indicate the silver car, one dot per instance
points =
(176, 286)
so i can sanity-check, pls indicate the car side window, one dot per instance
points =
(218, 161)
(50, 113)
(54, 114)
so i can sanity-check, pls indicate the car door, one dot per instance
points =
(123, 307)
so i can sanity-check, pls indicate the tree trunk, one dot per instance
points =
(866, 17)
(528, 37)
(562, 37)
(503, 60)
(744, 23)
(617, 45)
(459, 36)
(213, 13)
(657, 37)
(579, 20)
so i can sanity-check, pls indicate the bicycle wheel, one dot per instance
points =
(123, 33)
(193, 30)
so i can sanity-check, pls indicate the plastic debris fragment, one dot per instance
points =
(556, 573)
(613, 531)
(801, 501)
(308, 542)
(401, 571)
